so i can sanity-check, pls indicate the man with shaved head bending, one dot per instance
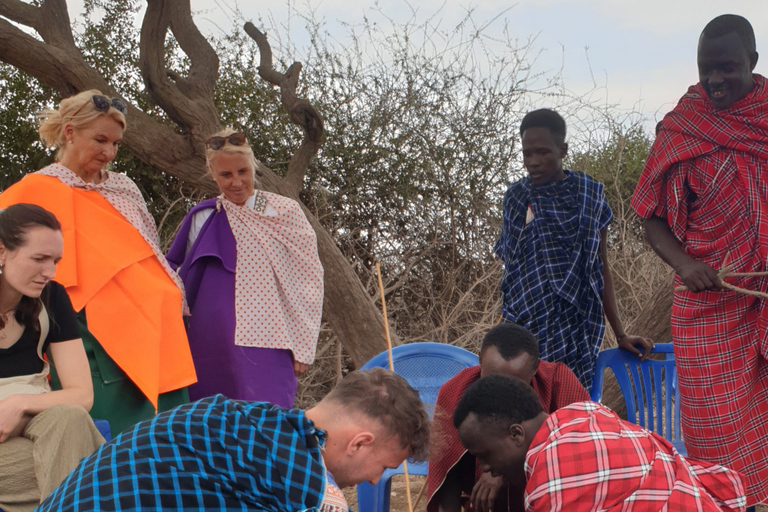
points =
(704, 200)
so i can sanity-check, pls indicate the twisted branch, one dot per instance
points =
(187, 101)
(300, 111)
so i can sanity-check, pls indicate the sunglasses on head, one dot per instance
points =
(102, 103)
(236, 139)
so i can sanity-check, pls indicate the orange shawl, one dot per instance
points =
(133, 306)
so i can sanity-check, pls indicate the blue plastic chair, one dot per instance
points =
(649, 388)
(426, 366)
(104, 429)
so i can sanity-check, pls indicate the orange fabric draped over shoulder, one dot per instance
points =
(133, 306)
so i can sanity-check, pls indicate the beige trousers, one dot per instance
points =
(33, 465)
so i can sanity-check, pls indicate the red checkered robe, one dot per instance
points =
(584, 458)
(706, 175)
(554, 383)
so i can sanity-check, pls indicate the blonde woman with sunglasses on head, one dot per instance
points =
(254, 283)
(130, 301)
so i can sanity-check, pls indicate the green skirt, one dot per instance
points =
(115, 397)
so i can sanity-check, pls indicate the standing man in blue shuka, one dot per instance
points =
(557, 282)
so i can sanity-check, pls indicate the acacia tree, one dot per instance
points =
(187, 99)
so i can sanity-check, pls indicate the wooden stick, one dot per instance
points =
(392, 369)
(725, 271)
(386, 322)
(421, 493)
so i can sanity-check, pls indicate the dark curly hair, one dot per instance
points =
(498, 398)
(15, 222)
(545, 118)
(388, 398)
(510, 339)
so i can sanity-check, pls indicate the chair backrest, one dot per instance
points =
(649, 388)
(426, 366)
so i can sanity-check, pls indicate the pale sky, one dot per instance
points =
(643, 52)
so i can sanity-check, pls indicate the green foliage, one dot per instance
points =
(617, 162)
(20, 145)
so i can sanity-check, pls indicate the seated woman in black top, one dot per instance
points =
(43, 433)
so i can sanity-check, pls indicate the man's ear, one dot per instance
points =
(3, 254)
(753, 61)
(536, 366)
(563, 149)
(516, 433)
(360, 440)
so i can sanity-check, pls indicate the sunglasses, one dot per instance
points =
(102, 103)
(236, 139)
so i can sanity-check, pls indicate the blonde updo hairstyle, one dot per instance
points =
(79, 111)
(210, 154)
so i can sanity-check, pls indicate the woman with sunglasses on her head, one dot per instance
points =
(254, 283)
(43, 433)
(130, 301)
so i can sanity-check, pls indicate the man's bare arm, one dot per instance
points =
(696, 275)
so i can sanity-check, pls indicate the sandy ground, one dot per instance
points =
(399, 502)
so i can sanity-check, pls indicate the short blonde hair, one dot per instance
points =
(78, 110)
(245, 149)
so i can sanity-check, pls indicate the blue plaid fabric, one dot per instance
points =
(214, 454)
(553, 272)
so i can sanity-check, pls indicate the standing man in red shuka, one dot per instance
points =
(704, 197)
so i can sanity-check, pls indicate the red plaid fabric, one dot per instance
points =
(706, 176)
(584, 458)
(556, 385)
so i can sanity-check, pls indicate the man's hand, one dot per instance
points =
(698, 276)
(13, 420)
(485, 491)
(635, 344)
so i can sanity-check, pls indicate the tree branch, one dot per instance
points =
(300, 111)
(21, 12)
(55, 28)
(62, 69)
(187, 101)
(204, 63)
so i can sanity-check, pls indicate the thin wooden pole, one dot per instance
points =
(392, 368)
(421, 494)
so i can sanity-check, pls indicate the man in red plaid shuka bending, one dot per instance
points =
(704, 197)
(583, 458)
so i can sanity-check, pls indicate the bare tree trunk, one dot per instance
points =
(188, 101)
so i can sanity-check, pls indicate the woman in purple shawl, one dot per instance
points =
(254, 283)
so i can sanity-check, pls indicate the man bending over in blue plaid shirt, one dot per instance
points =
(556, 280)
(221, 454)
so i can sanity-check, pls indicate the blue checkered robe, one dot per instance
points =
(553, 272)
(214, 454)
